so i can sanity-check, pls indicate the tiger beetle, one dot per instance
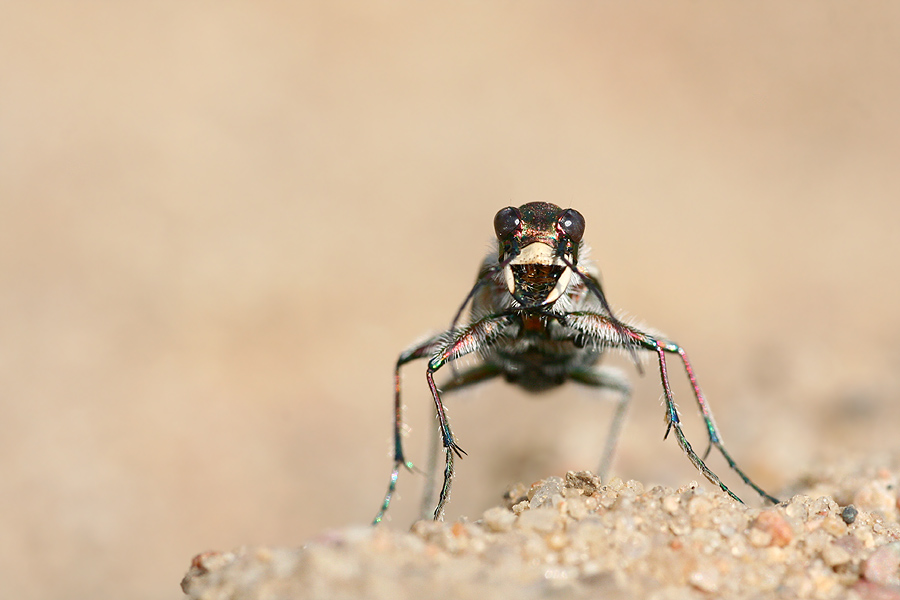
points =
(539, 318)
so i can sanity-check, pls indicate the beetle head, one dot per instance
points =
(533, 239)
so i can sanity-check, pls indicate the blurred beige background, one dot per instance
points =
(221, 222)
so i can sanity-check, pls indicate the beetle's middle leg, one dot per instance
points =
(612, 379)
(600, 330)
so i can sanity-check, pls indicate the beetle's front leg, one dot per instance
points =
(473, 376)
(475, 337)
(715, 438)
(674, 423)
(603, 331)
(415, 352)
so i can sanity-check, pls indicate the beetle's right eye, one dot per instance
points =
(572, 224)
(507, 222)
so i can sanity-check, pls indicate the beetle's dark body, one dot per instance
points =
(535, 352)
(539, 318)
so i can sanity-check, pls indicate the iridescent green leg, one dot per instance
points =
(604, 332)
(613, 380)
(464, 379)
(416, 352)
(715, 438)
(434, 445)
(675, 423)
(450, 445)
(475, 337)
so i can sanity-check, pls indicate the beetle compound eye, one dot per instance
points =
(572, 224)
(507, 222)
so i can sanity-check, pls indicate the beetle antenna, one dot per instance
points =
(484, 278)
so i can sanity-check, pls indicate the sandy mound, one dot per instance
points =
(576, 537)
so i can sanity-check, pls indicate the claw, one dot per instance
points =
(457, 450)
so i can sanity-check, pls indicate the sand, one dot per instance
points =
(578, 537)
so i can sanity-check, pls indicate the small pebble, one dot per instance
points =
(865, 536)
(699, 505)
(548, 493)
(557, 541)
(671, 504)
(875, 497)
(849, 514)
(542, 520)
(680, 525)
(584, 481)
(773, 523)
(577, 507)
(635, 486)
(607, 498)
(881, 567)
(873, 591)
(705, 579)
(515, 494)
(835, 555)
(520, 507)
(834, 525)
(615, 484)
(797, 508)
(498, 519)
(211, 561)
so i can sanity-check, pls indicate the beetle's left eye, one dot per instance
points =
(507, 223)
(572, 224)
